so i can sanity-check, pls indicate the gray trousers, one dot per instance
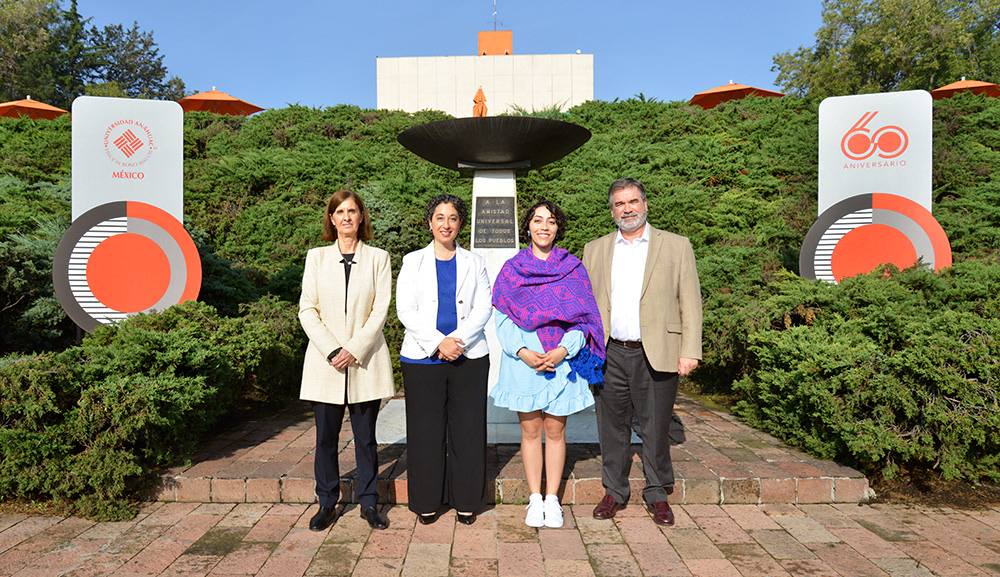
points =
(631, 384)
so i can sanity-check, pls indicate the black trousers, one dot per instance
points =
(446, 434)
(631, 384)
(327, 469)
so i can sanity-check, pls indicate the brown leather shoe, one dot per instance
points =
(607, 508)
(662, 515)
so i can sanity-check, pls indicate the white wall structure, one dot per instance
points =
(448, 83)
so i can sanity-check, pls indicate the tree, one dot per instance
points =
(131, 60)
(23, 31)
(58, 70)
(869, 46)
(50, 54)
(984, 51)
(77, 61)
(106, 89)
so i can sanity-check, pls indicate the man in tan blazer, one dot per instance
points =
(647, 290)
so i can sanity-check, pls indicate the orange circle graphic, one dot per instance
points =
(866, 247)
(859, 144)
(128, 272)
(890, 142)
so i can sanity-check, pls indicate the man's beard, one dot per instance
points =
(635, 224)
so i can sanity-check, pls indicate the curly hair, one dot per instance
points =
(365, 232)
(556, 213)
(458, 203)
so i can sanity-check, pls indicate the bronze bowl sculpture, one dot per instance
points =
(493, 142)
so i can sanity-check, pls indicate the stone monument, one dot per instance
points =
(491, 150)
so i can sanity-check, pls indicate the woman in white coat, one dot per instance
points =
(443, 300)
(346, 289)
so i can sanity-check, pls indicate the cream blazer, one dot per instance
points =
(670, 306)
(358, 328)
(417, 296)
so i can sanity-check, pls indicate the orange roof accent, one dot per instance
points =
(219, 103)
(733, 91)
(31, 109)
(496, 43)
(974, 86)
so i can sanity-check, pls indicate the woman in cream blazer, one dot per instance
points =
(443, 300)
(346, 288)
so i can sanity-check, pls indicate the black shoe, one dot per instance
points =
(466, 519)
(375, 519)
(427, 519)
(323, 518)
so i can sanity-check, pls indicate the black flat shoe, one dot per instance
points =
(465, 519)
(375, 519)
(427, 519)
(323, 518)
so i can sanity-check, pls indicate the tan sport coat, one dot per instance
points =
(670, 306)
(358, 329)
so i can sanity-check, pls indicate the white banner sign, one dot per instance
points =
(127, 149)
(127, 251)
(875, 143)
(874, 188)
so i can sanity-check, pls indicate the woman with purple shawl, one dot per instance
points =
(553, 344)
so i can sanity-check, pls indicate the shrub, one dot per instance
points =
(889, 374)
(36, 393)
(266, 347)
(86, 427)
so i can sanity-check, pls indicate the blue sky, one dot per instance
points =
(322, 53)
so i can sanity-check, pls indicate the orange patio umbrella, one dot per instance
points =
(732, 91)
(974, 86)
(31, 109)
(479, 109)
(219, 103)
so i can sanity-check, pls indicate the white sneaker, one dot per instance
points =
(553, 512)
(536, 511)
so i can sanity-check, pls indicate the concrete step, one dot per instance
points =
(717, 460)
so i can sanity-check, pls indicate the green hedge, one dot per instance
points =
(893, 371)
(87, 426)
(851, 371)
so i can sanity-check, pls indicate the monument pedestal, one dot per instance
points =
(494, 237)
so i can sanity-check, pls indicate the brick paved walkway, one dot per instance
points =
(789, 522)
(262, 539)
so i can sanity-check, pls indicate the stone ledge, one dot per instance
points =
(717, 460)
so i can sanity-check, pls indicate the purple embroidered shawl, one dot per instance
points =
(551, 297)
